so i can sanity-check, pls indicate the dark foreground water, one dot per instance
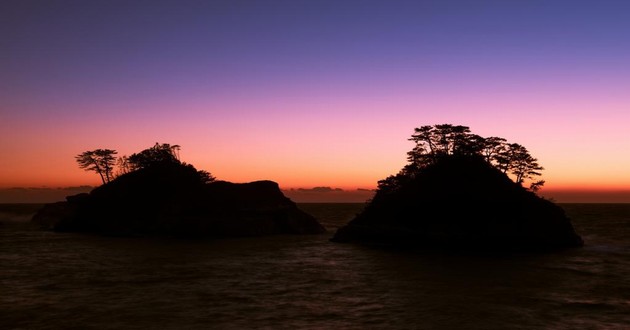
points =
(75, 281)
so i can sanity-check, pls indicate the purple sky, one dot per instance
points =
(312, 93)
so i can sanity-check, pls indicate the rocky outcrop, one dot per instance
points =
(461, 203)
(170, 200)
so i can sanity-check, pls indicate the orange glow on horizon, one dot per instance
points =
(312, 95)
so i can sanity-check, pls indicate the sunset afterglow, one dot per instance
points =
(312, 93)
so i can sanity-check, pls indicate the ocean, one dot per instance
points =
(54, 280)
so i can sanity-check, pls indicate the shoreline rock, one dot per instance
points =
(461, 204)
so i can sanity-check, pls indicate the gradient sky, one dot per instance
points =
(312, 93)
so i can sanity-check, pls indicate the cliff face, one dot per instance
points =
(172, 201)
(461, 203)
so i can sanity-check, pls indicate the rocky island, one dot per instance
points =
(462, 192)
(159, 195)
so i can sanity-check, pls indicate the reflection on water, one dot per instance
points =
(53, 280)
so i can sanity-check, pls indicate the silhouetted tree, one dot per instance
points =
(175, 150)
(122, 163)
(390, 183)
(446, 140)
(521, 164)
(434, 142)
(158, 154)
(493, 147)
(205, 176)
(101, 161)
(536, 185)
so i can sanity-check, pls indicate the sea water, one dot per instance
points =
(54, 280)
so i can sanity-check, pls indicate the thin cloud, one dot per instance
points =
(319, 189)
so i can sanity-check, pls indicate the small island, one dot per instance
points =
(463, 192)
(154, 193)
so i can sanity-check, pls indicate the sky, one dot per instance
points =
(313, 94)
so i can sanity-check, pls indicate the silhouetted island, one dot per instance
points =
(167, 197)
(456, 193)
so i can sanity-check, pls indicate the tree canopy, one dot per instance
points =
(433, 143)
(156, 155)
(103, 161)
